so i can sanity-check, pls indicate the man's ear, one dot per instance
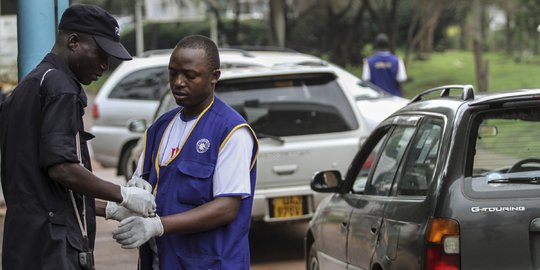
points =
(73, 40)
(215, 76)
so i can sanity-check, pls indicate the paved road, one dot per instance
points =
(274, 246)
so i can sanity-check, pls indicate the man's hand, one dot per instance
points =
(136, 181)
(135, 231)
(138, 200)
(116, 212)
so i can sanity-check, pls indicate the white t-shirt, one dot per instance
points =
(231, 175)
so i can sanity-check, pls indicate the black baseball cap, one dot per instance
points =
(93, 20)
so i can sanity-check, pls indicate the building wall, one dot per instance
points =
(8, 50)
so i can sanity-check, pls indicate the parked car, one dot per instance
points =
(444, 183)
(133, 91)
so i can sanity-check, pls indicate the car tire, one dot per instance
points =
(313, 260)
(127, 166)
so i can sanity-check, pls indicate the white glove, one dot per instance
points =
(116, 212)
(135, 231)
(136, 181)
(138, 200)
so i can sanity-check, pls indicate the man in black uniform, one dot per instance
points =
(50, 218)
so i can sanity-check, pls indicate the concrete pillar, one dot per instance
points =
(37, 23)
(139, 30)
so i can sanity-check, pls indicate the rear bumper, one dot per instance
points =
(261, 202)
(108, 144)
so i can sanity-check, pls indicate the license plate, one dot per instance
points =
(288, 206)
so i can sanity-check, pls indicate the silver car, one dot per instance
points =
(450, 182)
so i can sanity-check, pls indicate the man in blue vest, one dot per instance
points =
(200, 162)
(385, 69)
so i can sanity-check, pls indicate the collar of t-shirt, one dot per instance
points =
(174, 137)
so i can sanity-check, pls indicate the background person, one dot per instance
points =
(200, 162)
(385, 69)
(43, 143)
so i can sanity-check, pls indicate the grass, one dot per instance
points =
(457, 67)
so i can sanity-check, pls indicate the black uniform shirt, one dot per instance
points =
(38, 125)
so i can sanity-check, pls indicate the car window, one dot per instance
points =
(420, 160)
(361, 178)
(290, 105)
(145, 84)
(166, 103)
(366, 91)
(506, 154)
(380, 181)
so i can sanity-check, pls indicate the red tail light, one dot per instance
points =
(95, 111)
(443, 245)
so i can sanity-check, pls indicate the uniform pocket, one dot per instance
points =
(199, 263)
(195, 185)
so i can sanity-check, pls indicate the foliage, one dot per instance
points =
(166, 35)
(163, 35)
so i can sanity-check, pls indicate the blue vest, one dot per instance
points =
(383, 68)
(186, 182)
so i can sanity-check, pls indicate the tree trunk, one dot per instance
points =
(427, 19)
(482, 67)
(508, 34)
(278, 21)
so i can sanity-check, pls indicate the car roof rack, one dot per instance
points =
(169, 51)
(157, 51)
(467, 94)
(241, 51)
(262, 48)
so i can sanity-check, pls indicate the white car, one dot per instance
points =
(305, 121)
(133, 91)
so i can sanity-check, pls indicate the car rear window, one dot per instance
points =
(290, 105)
(506, 154)
(144, 84)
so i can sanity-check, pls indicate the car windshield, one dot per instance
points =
(507, 153)
(290, 105)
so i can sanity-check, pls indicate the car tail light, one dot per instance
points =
(443, 245)
(95, 111)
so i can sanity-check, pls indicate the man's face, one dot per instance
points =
(86, 60)
(191, 79)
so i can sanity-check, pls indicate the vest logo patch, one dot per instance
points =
(203, 145)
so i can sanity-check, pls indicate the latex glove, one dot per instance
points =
(136, 181)
(135, 231)
(116, 212)
(138, 200)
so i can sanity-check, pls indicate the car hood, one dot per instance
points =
(375, 111)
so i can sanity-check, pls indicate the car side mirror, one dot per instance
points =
(486, 131)
(137, 125)
(326, 181)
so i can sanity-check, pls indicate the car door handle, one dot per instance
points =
(344, 226)
(285, 169)
(374, 228)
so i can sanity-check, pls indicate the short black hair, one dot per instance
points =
(381, 41)
(202, 42)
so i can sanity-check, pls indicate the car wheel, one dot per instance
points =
(127, 164)
(313, 260)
